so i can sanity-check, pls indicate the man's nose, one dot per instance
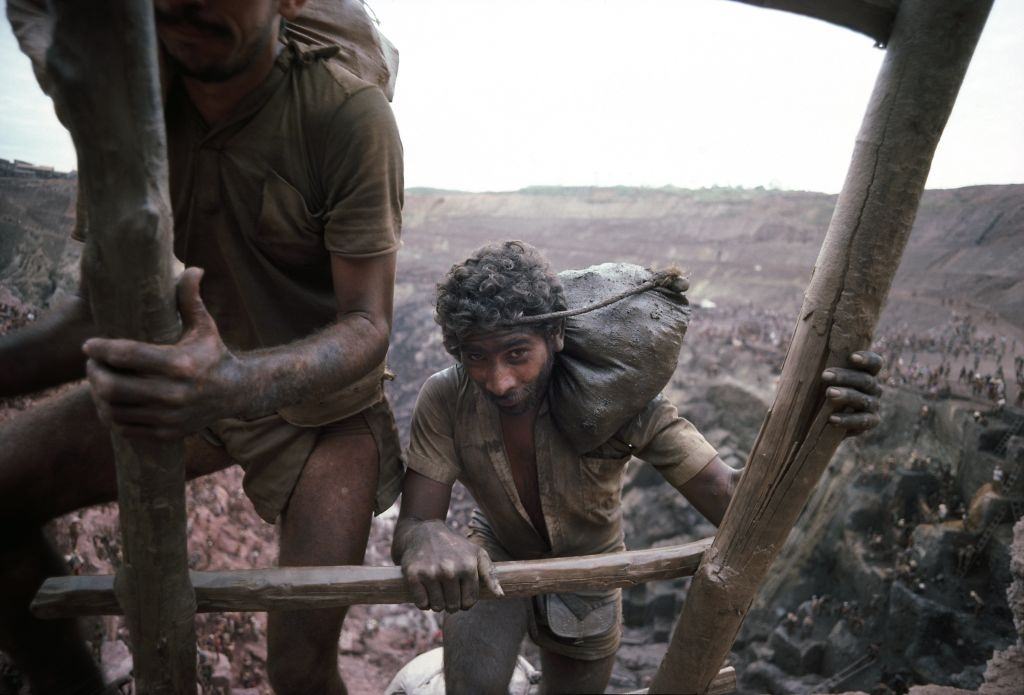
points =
(500, 381)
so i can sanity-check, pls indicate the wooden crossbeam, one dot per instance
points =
(873, 18)
(291, 588)
(931, 46)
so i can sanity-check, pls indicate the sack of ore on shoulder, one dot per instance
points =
(616, 358)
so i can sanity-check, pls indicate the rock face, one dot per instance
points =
(887, 586)
(37, 256)
(1004, 673)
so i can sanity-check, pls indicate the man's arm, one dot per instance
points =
(710, 491)
(48, 351)
(337, 356)
(853, 396)
(443, 568)
(169, 391)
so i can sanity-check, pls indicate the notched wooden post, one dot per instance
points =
(929, 50)
(104, 76)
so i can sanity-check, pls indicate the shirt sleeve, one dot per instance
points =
(364, 178)
(33, 28)
(668, 442)
(432, 437)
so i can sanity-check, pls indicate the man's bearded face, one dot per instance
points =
(512, 367)
(215, 40)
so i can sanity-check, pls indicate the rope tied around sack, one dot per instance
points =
(670, 280)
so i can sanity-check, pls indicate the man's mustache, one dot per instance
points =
(190, 16)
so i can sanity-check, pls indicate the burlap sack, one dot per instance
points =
(424, 675)
(365, 52)
(617, 358)
(33, 28)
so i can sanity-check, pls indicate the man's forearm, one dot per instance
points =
(711, 490)
(48, 351)
(722, 497)
(170, 391)
(310, 368)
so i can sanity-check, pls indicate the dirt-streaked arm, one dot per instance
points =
(443, 568)
(170, 391)
(48, 351)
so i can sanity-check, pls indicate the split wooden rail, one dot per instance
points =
(103, 75)
(930, 45)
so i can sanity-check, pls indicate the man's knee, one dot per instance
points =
(25, 554)
(302, 651)
(477, 669)
(288, 679)
(476, 677)
(478, 658)
(301, 669)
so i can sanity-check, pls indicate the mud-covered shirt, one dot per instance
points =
(456, 435)
(308, 165)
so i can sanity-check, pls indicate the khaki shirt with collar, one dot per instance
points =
(456, 435)
(309, 165)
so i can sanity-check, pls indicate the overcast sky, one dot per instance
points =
(501, 94)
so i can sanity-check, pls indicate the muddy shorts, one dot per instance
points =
(586, 625)
(273, 453)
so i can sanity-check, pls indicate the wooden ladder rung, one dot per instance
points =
(294, 588)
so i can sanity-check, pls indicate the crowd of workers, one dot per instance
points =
(962, 357)
(959, 357)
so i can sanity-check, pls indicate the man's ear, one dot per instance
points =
(558, 337)
(290, 9)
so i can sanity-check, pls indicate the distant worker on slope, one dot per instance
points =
(286, 185)
(487, 421)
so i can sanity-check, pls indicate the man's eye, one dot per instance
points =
(472, 356)
(517, 354)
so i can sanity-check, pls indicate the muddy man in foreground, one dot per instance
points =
(487, 421)
(286, 184)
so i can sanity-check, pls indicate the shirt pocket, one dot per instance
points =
(601, 487)
(286, 231)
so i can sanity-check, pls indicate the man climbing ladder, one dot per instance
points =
(280, 364)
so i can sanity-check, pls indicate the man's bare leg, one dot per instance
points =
(51, 655)
(56, 458)
(327, 522)
(562, 674)
(481, 646)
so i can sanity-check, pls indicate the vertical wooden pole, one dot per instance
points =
(929, 50)
(103, 66)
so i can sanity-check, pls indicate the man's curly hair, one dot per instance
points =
(499, 283)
